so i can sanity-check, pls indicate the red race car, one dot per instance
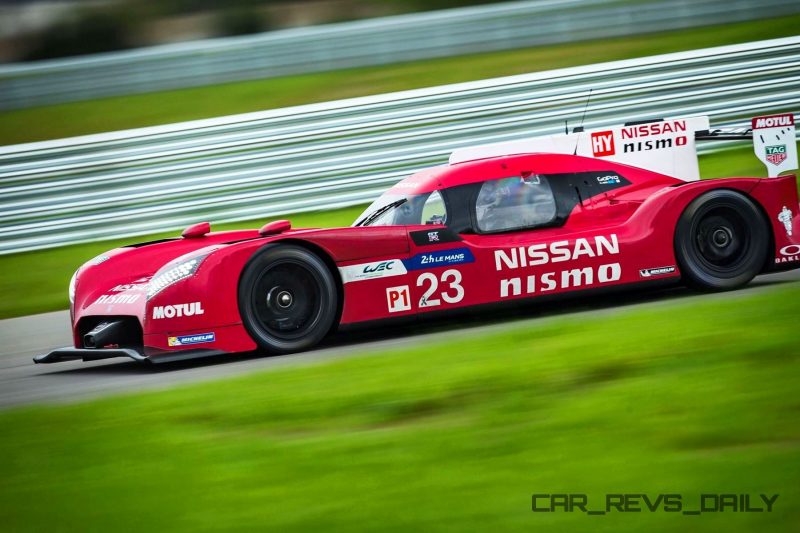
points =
(504, 222)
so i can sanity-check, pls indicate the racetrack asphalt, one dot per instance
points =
(22, 382)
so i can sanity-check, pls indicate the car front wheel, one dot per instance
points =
(287, 298)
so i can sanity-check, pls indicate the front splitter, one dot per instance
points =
(97, 354)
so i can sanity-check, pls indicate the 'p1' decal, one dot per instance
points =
(398, 298)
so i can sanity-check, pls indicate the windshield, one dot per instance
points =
(393, 209)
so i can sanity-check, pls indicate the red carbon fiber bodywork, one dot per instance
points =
(612, 239)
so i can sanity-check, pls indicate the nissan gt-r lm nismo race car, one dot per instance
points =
(498, 223)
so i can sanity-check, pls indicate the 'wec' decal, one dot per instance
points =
(376, 269)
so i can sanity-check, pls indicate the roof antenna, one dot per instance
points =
(579, 129)
(566, 127)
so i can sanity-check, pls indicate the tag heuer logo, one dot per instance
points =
(776, 154)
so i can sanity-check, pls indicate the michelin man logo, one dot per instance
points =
(785, 216)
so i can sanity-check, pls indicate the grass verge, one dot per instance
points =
(689, 397)
(122, 112)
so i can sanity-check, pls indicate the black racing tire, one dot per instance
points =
(287, 298)
(721, 241)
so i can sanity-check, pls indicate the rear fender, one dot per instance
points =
(656, 219)
(778, 199)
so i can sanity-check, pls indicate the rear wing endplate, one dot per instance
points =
(773, 141)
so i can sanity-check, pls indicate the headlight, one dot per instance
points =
(72, 287)
(173, 274)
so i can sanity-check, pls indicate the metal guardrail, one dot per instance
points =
(363, 43)
(346, 152)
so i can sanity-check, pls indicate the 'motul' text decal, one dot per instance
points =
(178, 310)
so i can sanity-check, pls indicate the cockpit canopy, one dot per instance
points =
(502, 204)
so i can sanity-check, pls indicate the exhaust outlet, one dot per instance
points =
(104, 333)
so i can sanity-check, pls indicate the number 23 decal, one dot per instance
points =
(454, 292)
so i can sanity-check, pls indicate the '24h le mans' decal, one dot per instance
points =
(776, 154)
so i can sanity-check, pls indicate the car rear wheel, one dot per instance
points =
(721, 241)
(287, 298)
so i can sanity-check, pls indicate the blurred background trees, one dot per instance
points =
(44, 29)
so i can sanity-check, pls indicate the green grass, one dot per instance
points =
(685, 397)
(736, 162)
(124, 112)
(36, 282)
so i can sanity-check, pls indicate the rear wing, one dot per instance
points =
(666, 146)
(773, 141)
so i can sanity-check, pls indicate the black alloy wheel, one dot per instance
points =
(721, 241)
(287, 298)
